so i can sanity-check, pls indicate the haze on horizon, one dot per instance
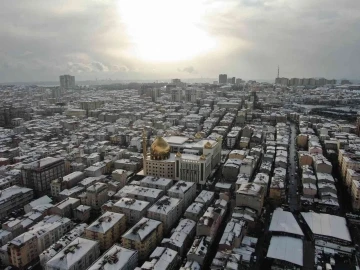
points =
(159, 39)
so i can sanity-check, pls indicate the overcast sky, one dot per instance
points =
(160, 39)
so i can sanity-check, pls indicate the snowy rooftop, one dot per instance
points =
(164, 205)
(287, 249)
(195, 208)
(42, 200)
(72, 253)
(200, 246)
(327, 225)
(115, 258)
(191, 265)
(106, 222)
(161, 258)
(205, 196)
(156, 180)
(7, 193)
(72, 175)
(251, 189)
(181, 232)
(233, 230)
(181, 187)
(139, 191)
(283, 221)
(142, 229)
(132, 204)
(63, 241)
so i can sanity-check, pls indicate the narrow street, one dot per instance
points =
(293, 198)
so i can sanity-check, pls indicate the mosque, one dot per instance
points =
(181, 158)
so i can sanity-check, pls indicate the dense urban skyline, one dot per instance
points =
(167, 39)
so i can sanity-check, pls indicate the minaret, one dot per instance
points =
(278, 72)
(144, 144)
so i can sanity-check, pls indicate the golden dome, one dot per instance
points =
(198, 135)
(219, 139)
(208, 145)
(178, 154)
(160, 146)
(202, 157)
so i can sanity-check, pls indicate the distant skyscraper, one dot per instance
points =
(233, 79)
(222, 79)
(176, 94)
(238, 81)
(67, 81)
(345, 82)
(177, 82)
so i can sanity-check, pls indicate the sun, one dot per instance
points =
(165, 30)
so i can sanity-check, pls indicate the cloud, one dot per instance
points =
(119, 68)
(42, 39)
(189, 69)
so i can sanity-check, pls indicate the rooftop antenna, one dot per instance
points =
(278, 72)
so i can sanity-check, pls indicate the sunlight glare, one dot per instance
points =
(165, 30)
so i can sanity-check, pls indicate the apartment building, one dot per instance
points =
(107, 229)
(23, 250)
(199, 250)
(65, 208)
(167, 210)
(195, 211)
(350, 161)
(206, 197)
(78, 255)
(38, 175)
(162, 258)
(251, 195)
(133, 209)
(96, 196)
(209, 223)
(262, 179)
(233, 235)
(144, 236)
(82, 213)
(355, 189)
(66, 182)
(42, 201)
(140, 193)
(50, 230)
(322, 165)
(157, 182)
(120, 176)
(13, 198)
(182, 237)
(116, 258)
(67, 81)
(55, 248)
(185, 191)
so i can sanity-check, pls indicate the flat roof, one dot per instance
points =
(181, 187)
(287, 249)
(157, 180)
(327, 225)
(283, 221)
(250, 189)
(133, 204)
(176, 139)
